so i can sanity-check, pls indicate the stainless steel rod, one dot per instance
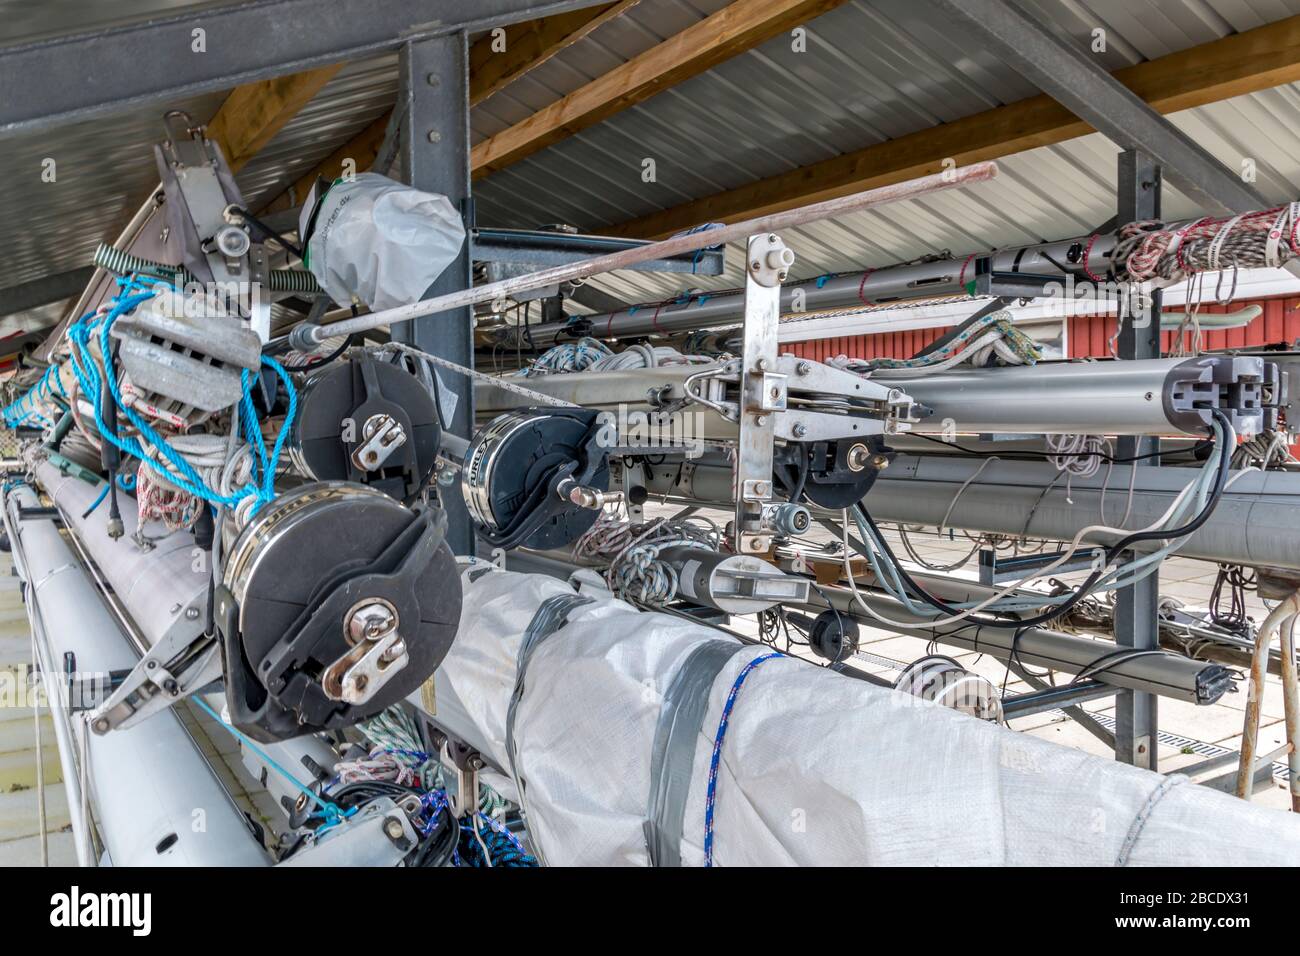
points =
(665, 249)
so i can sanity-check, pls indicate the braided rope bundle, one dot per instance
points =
(988, 336)
(635, 573)
(397, 750)
(1149, 251)
(156, 499)
(567, 357)
(1078, 455)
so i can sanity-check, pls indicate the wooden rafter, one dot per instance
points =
(1247, 62)
(736, 28)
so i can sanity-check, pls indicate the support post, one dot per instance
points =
(435, 158)
(1137, 606)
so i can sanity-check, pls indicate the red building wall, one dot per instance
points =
(1087, 336)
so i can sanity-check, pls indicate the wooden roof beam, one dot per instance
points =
(1247, 62)
(736, 28)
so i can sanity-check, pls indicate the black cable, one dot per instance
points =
(528, 331)
(266, 232)
(317, 361)
(1234, 577)
(1216, 492)
(1112, 660)
(805, 465)
(1030, 456)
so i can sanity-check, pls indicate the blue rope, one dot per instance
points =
(26, 404)
(712, 793)
(180, 473)
(332, 812)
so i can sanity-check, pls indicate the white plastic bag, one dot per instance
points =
(381, 241)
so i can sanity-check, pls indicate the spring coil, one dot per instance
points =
(121, 263)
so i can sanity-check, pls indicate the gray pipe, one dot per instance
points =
(1256, 523)
(164, 589)
(1168, 675)
(939, 278)
(156, 798)
(1141, 397)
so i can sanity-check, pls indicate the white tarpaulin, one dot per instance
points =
(381, 241)
(616, 714)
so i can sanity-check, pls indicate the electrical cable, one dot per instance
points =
(1110, 553)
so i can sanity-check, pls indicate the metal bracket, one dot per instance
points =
(173, 669)
(762, 390)
(468, 762)
(376, 654)
(383, 435)
(380, 834)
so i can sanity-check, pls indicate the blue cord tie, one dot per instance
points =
(711, 795)
(332, 812)
(103, 493)
(180, 473)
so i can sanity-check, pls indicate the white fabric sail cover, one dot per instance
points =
(816, 768)
(380, 241)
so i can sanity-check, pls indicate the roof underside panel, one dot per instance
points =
(349, 102)
(70, 188)
(872, 70)
(1048, 193)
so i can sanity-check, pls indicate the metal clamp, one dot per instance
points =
(377, 654)
(383, 435)
(172, 669)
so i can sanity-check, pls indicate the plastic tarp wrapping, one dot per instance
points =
(381, 241)
(816, 768)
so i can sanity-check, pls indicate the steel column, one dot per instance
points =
(1137, 622)
(435, 157)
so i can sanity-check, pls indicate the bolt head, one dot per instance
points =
(370, 621)
(435, 136)
(857, 457)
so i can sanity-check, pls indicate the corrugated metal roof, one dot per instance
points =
(103, 169)
(349, 102)
(873, 70)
